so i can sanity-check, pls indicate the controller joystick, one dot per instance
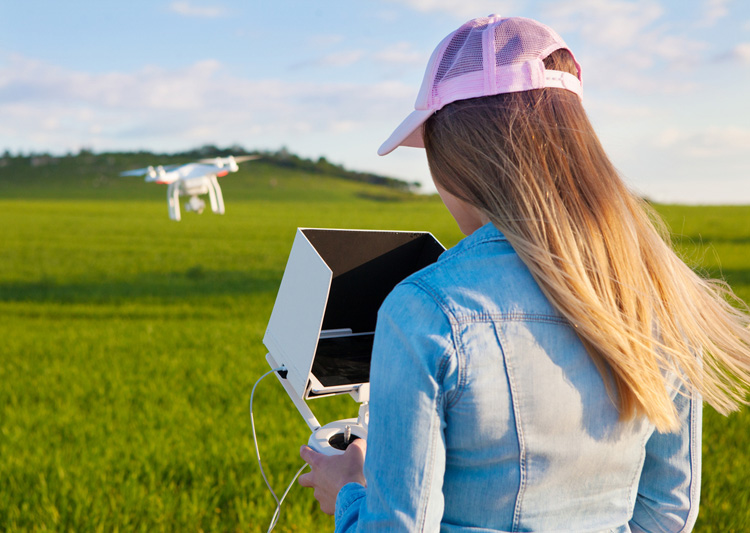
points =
(334, 438)
(341, 441)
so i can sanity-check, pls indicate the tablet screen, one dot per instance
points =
(343, 360)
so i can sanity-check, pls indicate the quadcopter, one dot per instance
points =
(193, 180)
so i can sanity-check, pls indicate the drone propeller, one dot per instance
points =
(238, 159)
(136, 172)
(243, 158)
(146, 170)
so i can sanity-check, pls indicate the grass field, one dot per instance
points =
(130, 343)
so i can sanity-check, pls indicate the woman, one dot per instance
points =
(548, 372)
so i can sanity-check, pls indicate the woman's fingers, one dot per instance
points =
(310, 456)
(329, 473)
(307, 480)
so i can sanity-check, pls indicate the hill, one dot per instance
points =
(87, 174)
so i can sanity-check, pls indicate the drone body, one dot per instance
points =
(193, 180)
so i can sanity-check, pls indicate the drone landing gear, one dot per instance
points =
(215, 196)
(173, 199)
(194, 188)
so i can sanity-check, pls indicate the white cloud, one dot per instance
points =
(628, 45)
(713, 11)
(344, 58)
(712, 142)
(739, 54)
(742, 53)
(344, 126)
(465, 9)
(341, 59)
(323, 41)
(677, 50)
(402, 53)
(150, 88)
(169, 109)
(614, 24)
(616, 110)
(191, 10)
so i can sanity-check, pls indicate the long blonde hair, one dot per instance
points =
(532, 163)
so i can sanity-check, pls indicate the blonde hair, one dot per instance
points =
(532, 163)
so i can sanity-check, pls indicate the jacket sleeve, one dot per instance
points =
(405, 460)
(669, 488)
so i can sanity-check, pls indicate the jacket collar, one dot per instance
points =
(487, 233)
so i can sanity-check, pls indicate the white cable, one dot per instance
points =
(277, 512)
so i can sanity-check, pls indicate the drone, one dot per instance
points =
(193, 180)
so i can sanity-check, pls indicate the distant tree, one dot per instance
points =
(282, 157)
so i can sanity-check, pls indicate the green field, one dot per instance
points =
(130, 343)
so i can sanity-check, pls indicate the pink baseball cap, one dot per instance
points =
(485, 56)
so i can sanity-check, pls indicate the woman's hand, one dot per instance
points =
(329, 473)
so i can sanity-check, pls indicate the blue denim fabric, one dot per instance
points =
(487, 414)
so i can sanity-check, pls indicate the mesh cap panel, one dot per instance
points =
(463, 55)
(518, 43)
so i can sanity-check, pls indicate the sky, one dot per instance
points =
(665, 82)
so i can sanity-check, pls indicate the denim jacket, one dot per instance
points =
(487, 414)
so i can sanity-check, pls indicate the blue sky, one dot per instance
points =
(665, 83)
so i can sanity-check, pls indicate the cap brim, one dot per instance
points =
(408, 133)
